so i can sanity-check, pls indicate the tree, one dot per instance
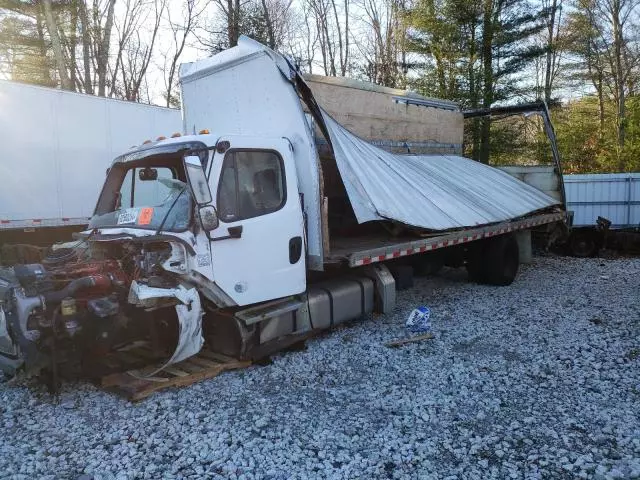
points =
(180, 32)
(217, 36)
(506, 28)
(552, 11)
(135, 50)
(98, 20)
(83, 45)
(275, 23)
(62, 21)
(24, 54)
(603, 38)
(441, 36)
(58, 53)
(332, 25)
(381, 41)
(614, 19)
(588, 50)
(302, 39)
(477, 50)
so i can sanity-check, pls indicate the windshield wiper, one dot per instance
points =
(166, 215)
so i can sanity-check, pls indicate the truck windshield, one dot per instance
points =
(140, 196)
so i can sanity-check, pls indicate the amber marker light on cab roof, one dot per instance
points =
(146, 142)
(176, 135)
(161, 137)
(203, 132)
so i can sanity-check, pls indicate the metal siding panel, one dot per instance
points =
(436, 192)
(635, 197)
(82, 132)
(605, 195)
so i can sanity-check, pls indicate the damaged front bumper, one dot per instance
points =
(76, 312)
(189, 311)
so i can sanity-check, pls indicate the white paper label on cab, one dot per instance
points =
(130, 215)
(204, 260)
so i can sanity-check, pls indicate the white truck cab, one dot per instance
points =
(247, 235)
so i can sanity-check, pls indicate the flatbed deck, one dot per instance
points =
(359, 251)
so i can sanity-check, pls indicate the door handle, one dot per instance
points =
(234, 232)
(295, 249)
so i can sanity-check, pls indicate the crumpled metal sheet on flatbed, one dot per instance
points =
(435, 192)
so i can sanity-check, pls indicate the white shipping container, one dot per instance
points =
(56, 146)
(615, 196)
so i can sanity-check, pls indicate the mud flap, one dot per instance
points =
(190, 339)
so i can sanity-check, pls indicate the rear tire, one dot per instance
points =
(495, 261)
(475, 262)
(428, 264)
(502, 259)
(583, 244)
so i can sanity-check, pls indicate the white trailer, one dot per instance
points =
(56, 147)
(246, 236)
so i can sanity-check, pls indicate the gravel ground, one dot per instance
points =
(537, 380)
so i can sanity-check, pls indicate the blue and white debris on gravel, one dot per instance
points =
(537, 380)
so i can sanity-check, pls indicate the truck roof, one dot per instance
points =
(165, 145)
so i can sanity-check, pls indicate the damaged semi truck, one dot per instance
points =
(267, 220)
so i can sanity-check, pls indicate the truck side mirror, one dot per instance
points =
(197, 180)
(209, 218)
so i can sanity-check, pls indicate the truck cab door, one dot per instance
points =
(258, 249)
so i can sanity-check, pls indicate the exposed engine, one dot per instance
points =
(75, 307)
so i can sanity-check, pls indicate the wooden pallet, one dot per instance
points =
(133, 356)
(137, 384)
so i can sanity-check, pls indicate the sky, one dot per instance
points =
(194, 50)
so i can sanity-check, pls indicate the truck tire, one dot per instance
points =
(475, 264)
(583, 243)
(428, 264)
(494, 261)
(501, 260)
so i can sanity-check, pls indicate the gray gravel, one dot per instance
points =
(537, 380)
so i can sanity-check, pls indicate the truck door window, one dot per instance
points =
(252, 183)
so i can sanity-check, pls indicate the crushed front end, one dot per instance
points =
(82, 303)
(130, 278)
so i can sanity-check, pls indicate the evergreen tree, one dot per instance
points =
(475, 52)
(23, 45)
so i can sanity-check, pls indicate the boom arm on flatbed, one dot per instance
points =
(539, 108)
